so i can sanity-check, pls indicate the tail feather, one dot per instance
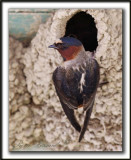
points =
(86, 121)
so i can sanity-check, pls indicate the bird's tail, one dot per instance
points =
(86, 121)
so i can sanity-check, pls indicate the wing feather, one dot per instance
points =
(70, 115)
(65, 101)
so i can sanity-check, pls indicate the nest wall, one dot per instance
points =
(36, 115)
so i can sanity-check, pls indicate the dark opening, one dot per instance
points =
(82, 26)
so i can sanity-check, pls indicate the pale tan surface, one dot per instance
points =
(38, 117)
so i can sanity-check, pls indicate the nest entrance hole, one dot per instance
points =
(82, 26)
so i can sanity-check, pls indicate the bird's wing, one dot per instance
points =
(89, 92)
(70, 115)
(77, 87)
(58, 78)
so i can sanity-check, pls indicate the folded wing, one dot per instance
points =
(75, 88)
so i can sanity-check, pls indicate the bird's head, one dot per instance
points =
(68, 47)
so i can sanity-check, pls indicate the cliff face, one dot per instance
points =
(36, 116)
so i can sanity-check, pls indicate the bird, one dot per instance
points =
(76, 80)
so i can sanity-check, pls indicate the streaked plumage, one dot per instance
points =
(76, 81)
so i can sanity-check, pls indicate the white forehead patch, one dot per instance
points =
(58, 41)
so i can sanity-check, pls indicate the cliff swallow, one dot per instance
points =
(76, 80)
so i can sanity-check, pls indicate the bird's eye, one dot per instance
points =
(61, 45)
(58, 44)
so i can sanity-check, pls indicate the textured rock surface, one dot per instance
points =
(36, 116)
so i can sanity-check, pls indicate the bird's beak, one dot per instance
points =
(53, 46)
